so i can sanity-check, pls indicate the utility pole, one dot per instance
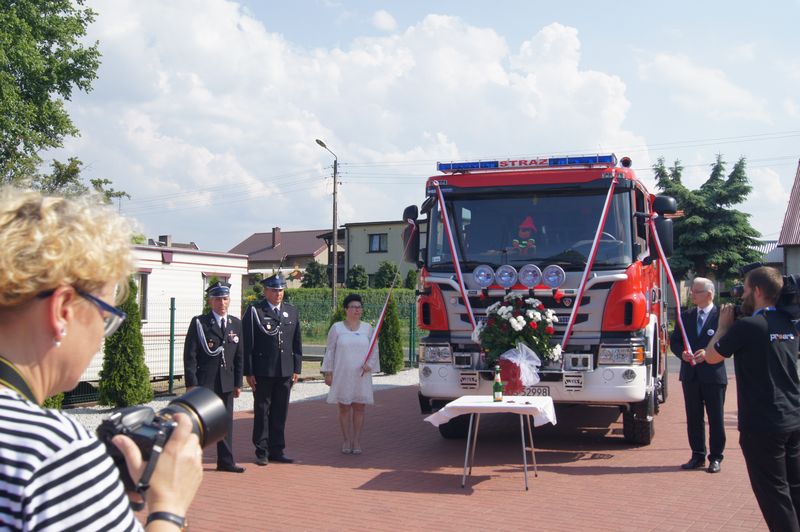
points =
(334, 236)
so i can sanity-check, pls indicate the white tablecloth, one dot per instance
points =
(541, 408)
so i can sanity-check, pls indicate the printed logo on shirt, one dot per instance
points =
(781, 337)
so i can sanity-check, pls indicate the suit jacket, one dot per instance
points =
(703, 372)
(278, 352)
(200, 368)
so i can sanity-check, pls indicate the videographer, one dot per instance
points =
(61, 261)
(764, 345)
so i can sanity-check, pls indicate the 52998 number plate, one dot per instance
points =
(536, 391)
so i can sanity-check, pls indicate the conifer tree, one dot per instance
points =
(125, 379)
(357, 278)
(389, 341)
(411, 280)
(384, 277)
(712, 239)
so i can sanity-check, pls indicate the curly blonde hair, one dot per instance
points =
(47, 242)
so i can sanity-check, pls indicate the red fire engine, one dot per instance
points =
(557, 228)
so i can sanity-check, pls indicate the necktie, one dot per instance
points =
(277, 313)
(699, 321)
(222, 323)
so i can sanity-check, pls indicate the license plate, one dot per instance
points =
(469, 381)
(536, 391)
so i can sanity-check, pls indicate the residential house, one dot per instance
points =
(789, 239)
(286, 251)
(370, 243)
(171, 280)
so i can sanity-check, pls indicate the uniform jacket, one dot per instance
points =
(277, 350)
(703, 372)
(200, 368)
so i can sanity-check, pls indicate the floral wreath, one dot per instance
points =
(517, 319)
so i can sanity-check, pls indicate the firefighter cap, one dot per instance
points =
(276, 282)
(219, 289)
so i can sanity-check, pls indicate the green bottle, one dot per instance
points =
(497, 387)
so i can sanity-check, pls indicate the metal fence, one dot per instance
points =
(167, 321)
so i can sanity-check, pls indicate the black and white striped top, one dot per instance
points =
(54, 474)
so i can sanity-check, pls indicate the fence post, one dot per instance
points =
(171, 343)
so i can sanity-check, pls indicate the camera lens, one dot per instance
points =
(207, 412)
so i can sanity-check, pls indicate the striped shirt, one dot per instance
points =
(54, 474)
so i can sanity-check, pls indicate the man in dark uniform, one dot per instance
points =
(764, 346)
(213, 357)
(273, 358)
(704, 384)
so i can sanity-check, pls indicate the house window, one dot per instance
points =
(378, 243)
(140, 279)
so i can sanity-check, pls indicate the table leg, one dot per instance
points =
(466, 451)
(524, 450)
(474, 441)
(533, 449)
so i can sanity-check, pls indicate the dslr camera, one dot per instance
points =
(788, 300)
(150, 430)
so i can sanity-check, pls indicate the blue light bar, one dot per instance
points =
(540, 162)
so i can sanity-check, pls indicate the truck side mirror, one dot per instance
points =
(665, 205)
(411, 235)
(664, 230)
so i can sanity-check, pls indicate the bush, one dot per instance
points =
(390, 343)
(411, 280)
(124, 379)
(387, 271)
(55, 401)
(357, 278)
(315, 276)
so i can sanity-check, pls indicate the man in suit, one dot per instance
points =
(213, 357)
(273, 358)
(704, 384)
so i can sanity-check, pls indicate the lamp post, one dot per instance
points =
(335, 243)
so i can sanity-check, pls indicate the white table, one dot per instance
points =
(541, 409)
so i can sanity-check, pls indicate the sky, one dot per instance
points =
(206, 111)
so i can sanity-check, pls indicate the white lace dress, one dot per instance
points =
(344, 356)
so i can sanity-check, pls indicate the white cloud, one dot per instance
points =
(200, 104)
(384, 21)
(701, 89)
(790, 107)
(743, 53)
(767, 202)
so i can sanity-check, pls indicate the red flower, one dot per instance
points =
(504, 327)
(534, 325)
(490, 321)
(541, 306)
(549, 329)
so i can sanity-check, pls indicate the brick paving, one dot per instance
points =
(409, 478)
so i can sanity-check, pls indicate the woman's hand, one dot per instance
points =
(178, 473)
(328, 378)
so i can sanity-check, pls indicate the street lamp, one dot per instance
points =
(335, 224)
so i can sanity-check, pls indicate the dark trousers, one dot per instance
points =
(225, 445)
(773, 464)
(700, 398)
(270, 410)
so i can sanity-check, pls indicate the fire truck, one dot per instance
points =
(553, 228)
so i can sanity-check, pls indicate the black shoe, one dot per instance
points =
(713, 466)
(281, 458)
(697, 462)
(262, 460)
(231, 469)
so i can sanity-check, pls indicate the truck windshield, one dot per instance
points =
(550, 228)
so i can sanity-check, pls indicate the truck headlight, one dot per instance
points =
(436, 354)
(620, 355)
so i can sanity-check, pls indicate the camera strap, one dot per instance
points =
(10, 377)
(144, 482)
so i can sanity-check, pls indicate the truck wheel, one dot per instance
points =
(638, 424)
(456, 428)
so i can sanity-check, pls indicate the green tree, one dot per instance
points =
(712, 239)
(411, 280)
(357, 278)
(65, 180)
(390, 342)
(315, 276)
(211, 281)
(254, 293)
(124, 379)
(384, 277)
(43, 58)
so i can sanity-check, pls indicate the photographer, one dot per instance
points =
(61, 261)
(764, 345)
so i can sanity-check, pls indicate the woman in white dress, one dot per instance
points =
(348, 371)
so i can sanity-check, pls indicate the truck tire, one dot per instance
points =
(456, 428)
(638, 423)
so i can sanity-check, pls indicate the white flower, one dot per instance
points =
(492, 307)
(555, 354)
(515, 324)
(537, 316)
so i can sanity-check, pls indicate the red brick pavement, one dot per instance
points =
(410, 478)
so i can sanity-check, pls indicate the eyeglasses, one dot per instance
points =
(112, 316)
(355, 307)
